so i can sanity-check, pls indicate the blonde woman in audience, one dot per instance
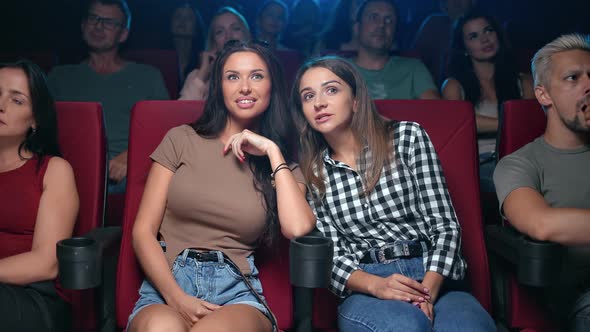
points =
(227, 24)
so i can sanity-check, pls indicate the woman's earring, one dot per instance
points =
(34, 129)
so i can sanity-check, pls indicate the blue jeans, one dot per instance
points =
(214, 282)
(487, 165)
(453, 311)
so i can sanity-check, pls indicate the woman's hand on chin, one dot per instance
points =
(248, 142)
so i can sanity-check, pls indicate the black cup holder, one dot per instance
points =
(79, 263)
(311, 261)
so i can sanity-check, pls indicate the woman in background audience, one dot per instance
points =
(339, 35)
(378, 191)
(38, 203)
(227, 24)
(188, 38)
(216, 190)
(271, 19)
(483, 71)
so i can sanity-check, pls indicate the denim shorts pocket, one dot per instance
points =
(233, 272)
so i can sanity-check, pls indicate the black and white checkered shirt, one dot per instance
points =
(410, 202)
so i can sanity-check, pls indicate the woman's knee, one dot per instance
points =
(226, 318)
(157, 317)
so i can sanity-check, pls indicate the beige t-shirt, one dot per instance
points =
(212, 202)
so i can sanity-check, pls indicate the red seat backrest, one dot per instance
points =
(150, 121)
(451, 128)
(165, 60)
(81, 135)
(82, 140)
(522, 121)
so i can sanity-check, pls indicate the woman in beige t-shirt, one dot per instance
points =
(209, 195)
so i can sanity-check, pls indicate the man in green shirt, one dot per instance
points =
(107, 78)
(387, 76)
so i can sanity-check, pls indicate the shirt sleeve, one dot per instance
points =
(297, 174)
(193, 88)
(160, 91)
(169, 152)
(513, 172)
(344, 262)
(437, 208)
(422, 80)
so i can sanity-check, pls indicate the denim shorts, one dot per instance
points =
(215, 282)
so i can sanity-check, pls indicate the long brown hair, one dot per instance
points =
(368, 128)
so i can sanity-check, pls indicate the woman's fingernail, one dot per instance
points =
(421, 299)
(425, 290)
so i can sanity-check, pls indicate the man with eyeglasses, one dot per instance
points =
(387, 76)
(108, 78)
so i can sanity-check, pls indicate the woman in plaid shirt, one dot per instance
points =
(378, 191)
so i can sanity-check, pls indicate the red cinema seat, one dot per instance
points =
(165, 60)
(451, 127)
(150, 121)
(82, 141)
(522, 121)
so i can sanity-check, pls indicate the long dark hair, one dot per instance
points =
(339, 28)
(461, 68)
(197, 41)
(43, 140)
(275, 123)
(368, 127)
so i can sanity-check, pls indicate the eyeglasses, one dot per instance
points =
(107, 23)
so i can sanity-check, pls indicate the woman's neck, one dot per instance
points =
(271, 39)
(233, 127)
(345, 147)
(10, 158)
(183, 46)
(484, 70)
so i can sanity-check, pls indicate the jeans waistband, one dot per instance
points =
(201, 256)
(395, 250)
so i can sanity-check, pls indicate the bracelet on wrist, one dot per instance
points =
(277, 169)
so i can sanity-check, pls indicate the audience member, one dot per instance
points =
(271, 19)
(434, 36)
(387, 76)
(212, 210)
(483, 71)
(107, 78)
(302, 32)
(377, 187)
(227, 24)
(339, 34)
(187, 37)
(38, 203)
(544, 188)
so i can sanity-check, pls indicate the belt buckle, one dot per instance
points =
(406, 249)
(381, 255)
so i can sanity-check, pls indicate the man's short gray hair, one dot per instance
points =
(541, 63)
